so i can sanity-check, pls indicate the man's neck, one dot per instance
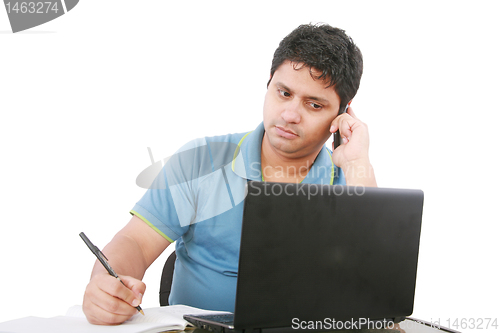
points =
(278, 167)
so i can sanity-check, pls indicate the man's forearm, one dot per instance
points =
(360, 174)
(125, 256)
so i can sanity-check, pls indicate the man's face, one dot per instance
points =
(298, 111)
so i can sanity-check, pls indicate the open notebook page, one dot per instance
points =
(155, 320)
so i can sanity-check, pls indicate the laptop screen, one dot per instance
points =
(317, 252)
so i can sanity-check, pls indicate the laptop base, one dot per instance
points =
(225, 324)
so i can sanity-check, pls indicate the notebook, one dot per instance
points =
(158, 319)
(323, 257)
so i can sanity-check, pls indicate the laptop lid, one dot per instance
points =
(321, 252)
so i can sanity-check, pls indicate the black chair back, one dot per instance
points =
(166, 279)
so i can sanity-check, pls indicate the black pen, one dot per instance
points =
(104, 261)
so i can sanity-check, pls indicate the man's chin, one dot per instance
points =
(285, 146)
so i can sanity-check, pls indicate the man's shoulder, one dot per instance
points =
(229, 140)
(209, 151)
(231, 137)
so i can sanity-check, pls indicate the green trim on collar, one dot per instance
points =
(237, 150)
(332, 177)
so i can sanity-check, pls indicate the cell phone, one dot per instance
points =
(336, 135)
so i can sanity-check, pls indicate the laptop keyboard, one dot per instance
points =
(224, 318)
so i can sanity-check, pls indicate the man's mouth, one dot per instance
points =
(285, 132)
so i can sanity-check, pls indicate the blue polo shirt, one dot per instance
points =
(197, 201)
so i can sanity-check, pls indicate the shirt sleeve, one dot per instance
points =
(157, 209)
(168, 206)
(191, 187)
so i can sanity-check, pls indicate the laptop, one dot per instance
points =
(322, 257)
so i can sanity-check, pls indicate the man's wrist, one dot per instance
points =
(360, 173)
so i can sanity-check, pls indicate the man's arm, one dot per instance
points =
(352, 154)
(130, 253)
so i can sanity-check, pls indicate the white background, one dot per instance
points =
(83, 96)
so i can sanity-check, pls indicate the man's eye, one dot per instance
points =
(315, 106)
(284, 93)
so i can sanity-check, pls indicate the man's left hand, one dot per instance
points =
(352, 154)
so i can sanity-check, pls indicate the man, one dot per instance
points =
(315, 73)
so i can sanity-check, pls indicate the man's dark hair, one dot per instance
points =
(325, 49)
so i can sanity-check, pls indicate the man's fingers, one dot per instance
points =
(108, 310)
(113, 296)
(136, 286)
(122, 291)
(343, 123)
(335, 123)
(351, 113)
(108, 301)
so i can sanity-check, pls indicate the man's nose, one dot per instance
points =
(291, 114)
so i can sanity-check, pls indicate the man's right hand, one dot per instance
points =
(108, 302)
(133, 249)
